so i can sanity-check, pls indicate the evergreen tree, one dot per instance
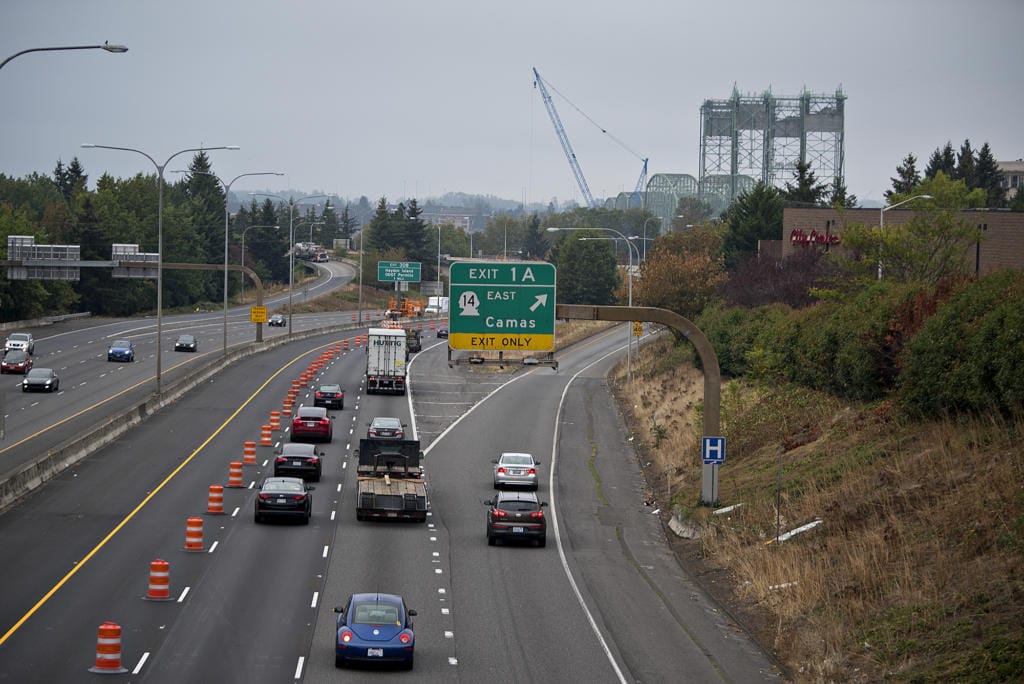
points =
(535, 245)
(942, 160)
(346, 224)
(755, 215)
(587, 272)
(965, 165)
(988, 178)
(907, 177)
(838, 196)
(807, 190)
(331, 228)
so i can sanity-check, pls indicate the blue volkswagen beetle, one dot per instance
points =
(374, 628)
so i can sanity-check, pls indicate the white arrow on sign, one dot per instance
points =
(542, 300)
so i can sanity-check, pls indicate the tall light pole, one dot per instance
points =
(881, 226)
(650, 218)
(244, 231)
(291, 241)
(439, 259)
(160, 233)
(629, 331)
(106, 46)
(227, 216)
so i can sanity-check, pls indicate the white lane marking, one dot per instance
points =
(326, 547)
(344, 464)
(339, 487)
(316, 597)
(214, 546)
(332, 515)
(184, 593)
(298, 667)
(235, 512)
(142, 661)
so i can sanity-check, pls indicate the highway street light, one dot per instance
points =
(106, 46)
(881, 225)
(291, 241)
(629, 331)
(650, 218)
(227, 192)
(159, 233)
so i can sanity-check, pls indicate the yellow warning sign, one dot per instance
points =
(638, 329)
(258, 314)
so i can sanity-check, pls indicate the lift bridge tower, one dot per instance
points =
(748, 138)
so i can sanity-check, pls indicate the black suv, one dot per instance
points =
(516, 515)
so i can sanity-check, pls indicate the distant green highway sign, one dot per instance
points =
(502, 306)
(399, 271)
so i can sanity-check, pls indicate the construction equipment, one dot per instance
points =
(570, 154)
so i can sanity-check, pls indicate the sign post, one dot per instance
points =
(502, 306)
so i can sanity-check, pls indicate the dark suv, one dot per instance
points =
(516, 515)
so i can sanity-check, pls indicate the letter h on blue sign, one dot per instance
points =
(713, 450)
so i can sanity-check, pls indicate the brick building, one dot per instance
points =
(1002, 246)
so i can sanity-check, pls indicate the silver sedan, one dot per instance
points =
(516, 469)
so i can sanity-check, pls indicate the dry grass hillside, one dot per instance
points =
(916, 572)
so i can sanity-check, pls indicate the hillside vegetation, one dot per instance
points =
(896, 420)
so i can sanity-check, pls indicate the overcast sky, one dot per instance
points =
(416, 98)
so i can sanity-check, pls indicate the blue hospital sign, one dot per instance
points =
(712, 450)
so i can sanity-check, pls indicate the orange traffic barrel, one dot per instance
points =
(353, 316)
(108, 650)
(266, 436)
(344, 344)
(366, 340)
(431, 325)
(235, 472)
(159, 581)
(249, 452)
(215, 500)
(194, 534)
(359, 340)
(295, 385)
(275, 420)
(304, 379)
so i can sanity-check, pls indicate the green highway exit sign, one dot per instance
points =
(502, 306)
(399, 271)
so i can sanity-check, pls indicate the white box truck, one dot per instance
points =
(436, 305)
(385, 360)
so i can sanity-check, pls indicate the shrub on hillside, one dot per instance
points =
(969, 356)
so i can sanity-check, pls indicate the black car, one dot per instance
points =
(329, 396)
(185, 343)
(40, 380)
(299, 460)
(516, 515)
(442, 332)
(278, 321)
(386, 427)
(284, 496)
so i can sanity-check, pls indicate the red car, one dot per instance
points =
(311, 423)
(16, 361)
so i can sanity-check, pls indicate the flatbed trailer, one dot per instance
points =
(390, 480)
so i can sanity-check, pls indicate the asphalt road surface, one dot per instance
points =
(603, 602)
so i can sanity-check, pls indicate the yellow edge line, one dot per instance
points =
(46, 597)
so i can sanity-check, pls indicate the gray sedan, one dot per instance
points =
(516, 469)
